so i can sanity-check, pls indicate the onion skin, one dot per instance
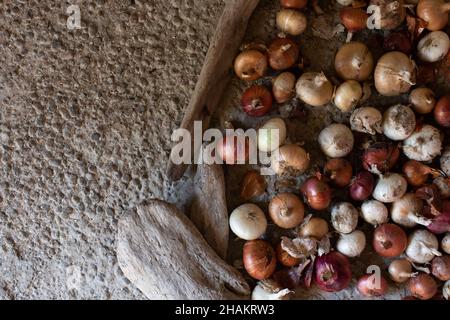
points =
(339, 171)
(389, 240)
(423, 287)
(395, 73)
(336, 140)
(344, 217)
(317, 193)
(283, 53)
(390, 187)
(442, 111)
(286, 210)
(275, 127)
(259, 259)
(284, 87)
(250, 65)
(380, 157)
(366, 286)
(367, 120)
(399, 122)
(362, 186)
(256, 101)
(417, 173)
(424, 144)
(422, 246)
(333, 272)
(290, 160)
(433, 47)
(422, 100)
(315, 227)
(440, 267)
(348, 95)
(354, 19)
(354, 61)
(248, 222)
(285, 258)
(293, 4)
(434, 12)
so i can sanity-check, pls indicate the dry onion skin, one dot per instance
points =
(314, 89)
(291, 21)
(399, 122)
(407, 210)
(336, 140)
(348, 95)
(290, 160)
(433, 47)
(422, 100)
(367, 120)
(354, 61)
(395, 73)
(423, 145)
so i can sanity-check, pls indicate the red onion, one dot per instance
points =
(317, 193)
(256, 101)
(423, 287)
(367, 286)
(440, 267)
(389, 240)
(440, 224)
(362, 186)
(380, 157)
(333, 272)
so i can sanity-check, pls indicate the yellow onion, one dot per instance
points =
(354, 61)
(290, 159)
(434, 12)
(291, 21)
(422, 100)
(347, 95)
(314, 89)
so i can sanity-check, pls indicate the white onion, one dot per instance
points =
(423, 145)
(347, 95)
(422, 246)
(314, 89)
(390, 187)
(264, 290)
(336, 140)
(367, 120)
(407, 210)
(433, 47)
(248, 222)
(272, 135)
(344, 217)
(445, 243)
(445, 161)
(352, 244)
(399, 122)
(374, 212)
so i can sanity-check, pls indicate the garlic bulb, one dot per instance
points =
(367, 120)
(248, 222)
(445, 161)
(423, 145)
(347, 95)
(374, 212)
(344, 217)
(433, 47)
(390, 187)
(407, 211)
(269, 290)
(399, 122)
(422, 246)
(336, 140)
(352, 244)
(272, 135)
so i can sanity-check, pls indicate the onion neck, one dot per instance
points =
(284, 211)
(408, 274)
(419, 219)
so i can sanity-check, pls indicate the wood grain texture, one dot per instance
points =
(209, 207)
(161, 252)
(216, 71)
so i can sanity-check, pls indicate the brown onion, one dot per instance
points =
(285, 258)
(422, 100)
(362, 186)
(314, 88)
(389, 240)
(283, 87)
(286, 210)
(253, 185)
(392, 13)
(395, 73)
(354, 61)
(367, 286)
(315, 227)
(440, 267)
(354, 19)
(290, 160)
(283, 53)
(380, 157)
(259, 259)
(294, 4)
(292, 22)
(250, 65)
(417, 173)
(401, 270)
(434, 12)
(423, 287)
(256, 101)
(339, 171)
(442, 111)
(317, 193)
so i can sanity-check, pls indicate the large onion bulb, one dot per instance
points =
(314, 89)
(354, 61)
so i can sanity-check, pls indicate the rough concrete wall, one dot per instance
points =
(85, 118)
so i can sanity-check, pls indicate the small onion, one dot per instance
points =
(354, 61)
(423, 145)
(256, 101)
(445, 243)
(339, 171)
(434, 12)
(336, 140)
(395, 73)
(367, 286)
(392, 13)
(284, 258)
(433, 47)
(380, 157)
(442, 111)
(333, 272)
(293, 4)
(374, 212)
(248, 222)
(317, 193)
(283, 53)
(440, 268)
(352, 244)
(290, 160)
(284, 87)
(314, 89)
(286, 210)
(390, 187)
(259, 259)
(292, 22)
(422, 246)
(272, 135)
(315, 227)
(348, 95)
(399, 122)
(362, 186)
(407, 210)
(422, 100)
(366, 120)
(389, 240)
(401, 270)
(270, 291)
(344, 217)
(423, 287)
(250, 65)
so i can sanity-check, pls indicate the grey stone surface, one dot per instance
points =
(85, 121)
